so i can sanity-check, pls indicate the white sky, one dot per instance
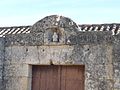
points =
(27, 12)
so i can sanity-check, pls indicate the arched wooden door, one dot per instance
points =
(55, 77)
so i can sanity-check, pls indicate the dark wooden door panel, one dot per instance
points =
(49, 79)
(72, 78)
(46, 78)
(58, 77)
(35, 78)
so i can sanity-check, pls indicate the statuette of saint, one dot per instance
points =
(55, 37)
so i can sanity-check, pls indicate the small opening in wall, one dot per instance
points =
(26, 49)
(43, 50)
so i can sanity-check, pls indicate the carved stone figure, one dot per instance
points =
(55, 37)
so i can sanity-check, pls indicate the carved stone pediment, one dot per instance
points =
(56, 29)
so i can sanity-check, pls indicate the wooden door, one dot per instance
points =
(56, 77)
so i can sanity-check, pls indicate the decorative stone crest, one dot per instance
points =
(56, 29)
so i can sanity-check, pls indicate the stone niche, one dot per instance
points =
(55, 35)
(56, 40)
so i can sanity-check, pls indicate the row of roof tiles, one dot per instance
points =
(14, 30)
(115, 28)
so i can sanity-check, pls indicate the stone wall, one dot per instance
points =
(98, 65)
(97, 58)
(1, 62)
(116, 62)
(98, 51)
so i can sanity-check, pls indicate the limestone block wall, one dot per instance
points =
(98, 65)
(101, 62)
(1, 61)
(116, 62)
(97, 58)
(16, 72)
(98, 51)
(99, 71)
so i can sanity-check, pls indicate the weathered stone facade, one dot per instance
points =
(99, 51)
